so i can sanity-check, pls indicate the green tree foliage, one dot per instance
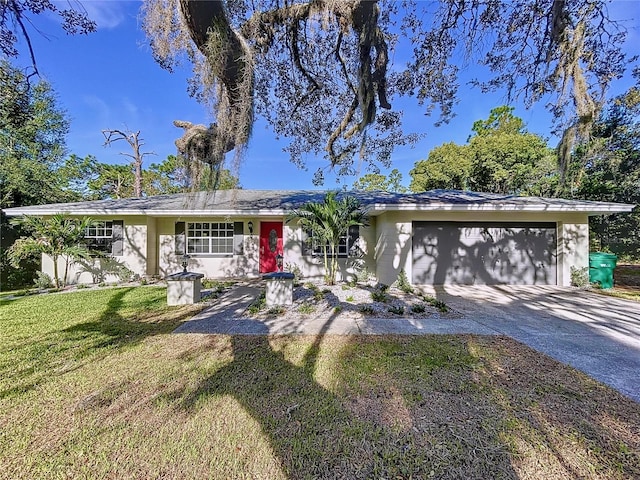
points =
(608, 169)
(32, 141)
(378, 182)
(32, 145)
(500, 157)
(330, 220)
(59, 236)
(320, 72)
(173, 175)
(501, 121)
(516, 163)
(447, 167)
(112, 181)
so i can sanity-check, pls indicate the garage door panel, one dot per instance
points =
(484, 253)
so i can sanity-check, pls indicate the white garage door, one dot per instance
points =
(480, 253)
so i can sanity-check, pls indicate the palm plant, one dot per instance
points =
(57, 236)
(330, 220)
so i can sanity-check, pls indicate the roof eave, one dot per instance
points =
(589, 209)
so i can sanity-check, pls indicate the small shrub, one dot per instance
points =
(217, 286)
(396, 310)
(580, 276)
(379, 296)
(338, 308)
(124, 274)
(276, 310)
(346, 286)
(317, 294)
(143, 281)
(349, 298)
(296, 270)
(325, 291)
(434, 302)
(418, 308)
(367, 310)
(102, 284)
(403, 282)
(80, 286)
(307, 308)
(258, 304)
(42, 280)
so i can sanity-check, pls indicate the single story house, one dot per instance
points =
(436, 237)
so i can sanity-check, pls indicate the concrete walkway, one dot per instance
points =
(597, 334)
(227, 317)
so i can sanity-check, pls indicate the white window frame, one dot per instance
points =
(99, 237)
(209, 238)
(317, 247)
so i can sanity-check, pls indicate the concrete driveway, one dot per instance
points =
(594, 333)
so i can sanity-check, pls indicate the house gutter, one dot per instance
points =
(595, 208)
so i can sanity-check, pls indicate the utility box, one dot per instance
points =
(184, 288)
(279, 288)
(601, 267)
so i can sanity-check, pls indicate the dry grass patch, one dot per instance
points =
(153, 404)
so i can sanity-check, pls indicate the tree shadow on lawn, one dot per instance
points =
(318, 433)
(114, 330)
(66, 350)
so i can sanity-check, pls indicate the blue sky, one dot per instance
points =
(109, 79)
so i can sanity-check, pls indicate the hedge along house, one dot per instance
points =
(436, 237)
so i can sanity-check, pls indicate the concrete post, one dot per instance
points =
(184, 288)
(279, 288)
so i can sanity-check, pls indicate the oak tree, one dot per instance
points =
(321, 73)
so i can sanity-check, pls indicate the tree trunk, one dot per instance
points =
(56, 280)
(202, 16)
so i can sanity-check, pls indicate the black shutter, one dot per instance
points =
(238, 238)
(180, 239)
(352, 240)
(307, 243)
(117, 238)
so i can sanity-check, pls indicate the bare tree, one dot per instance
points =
(135, 142)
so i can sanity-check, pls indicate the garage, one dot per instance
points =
(484, 253)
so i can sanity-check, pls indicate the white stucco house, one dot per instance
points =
(436, 237)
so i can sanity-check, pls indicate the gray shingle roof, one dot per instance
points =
(264, 202)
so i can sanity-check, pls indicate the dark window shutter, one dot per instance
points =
(238, 238)
(307, 243)
(117, 238)
(352, 240)
(180, 239)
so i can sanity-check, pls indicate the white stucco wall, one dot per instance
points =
(149, 247)
(573, 246)
(393, 245)
(212, 266)
(134, 256)
(248, 264)
(312, 266)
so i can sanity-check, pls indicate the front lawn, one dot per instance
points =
(94, 385)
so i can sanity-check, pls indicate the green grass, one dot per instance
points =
(95, 386)
(627, 294)
(47, 334)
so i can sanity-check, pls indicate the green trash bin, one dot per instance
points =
(601, 266)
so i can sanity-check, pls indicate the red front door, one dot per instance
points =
(270, 246)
